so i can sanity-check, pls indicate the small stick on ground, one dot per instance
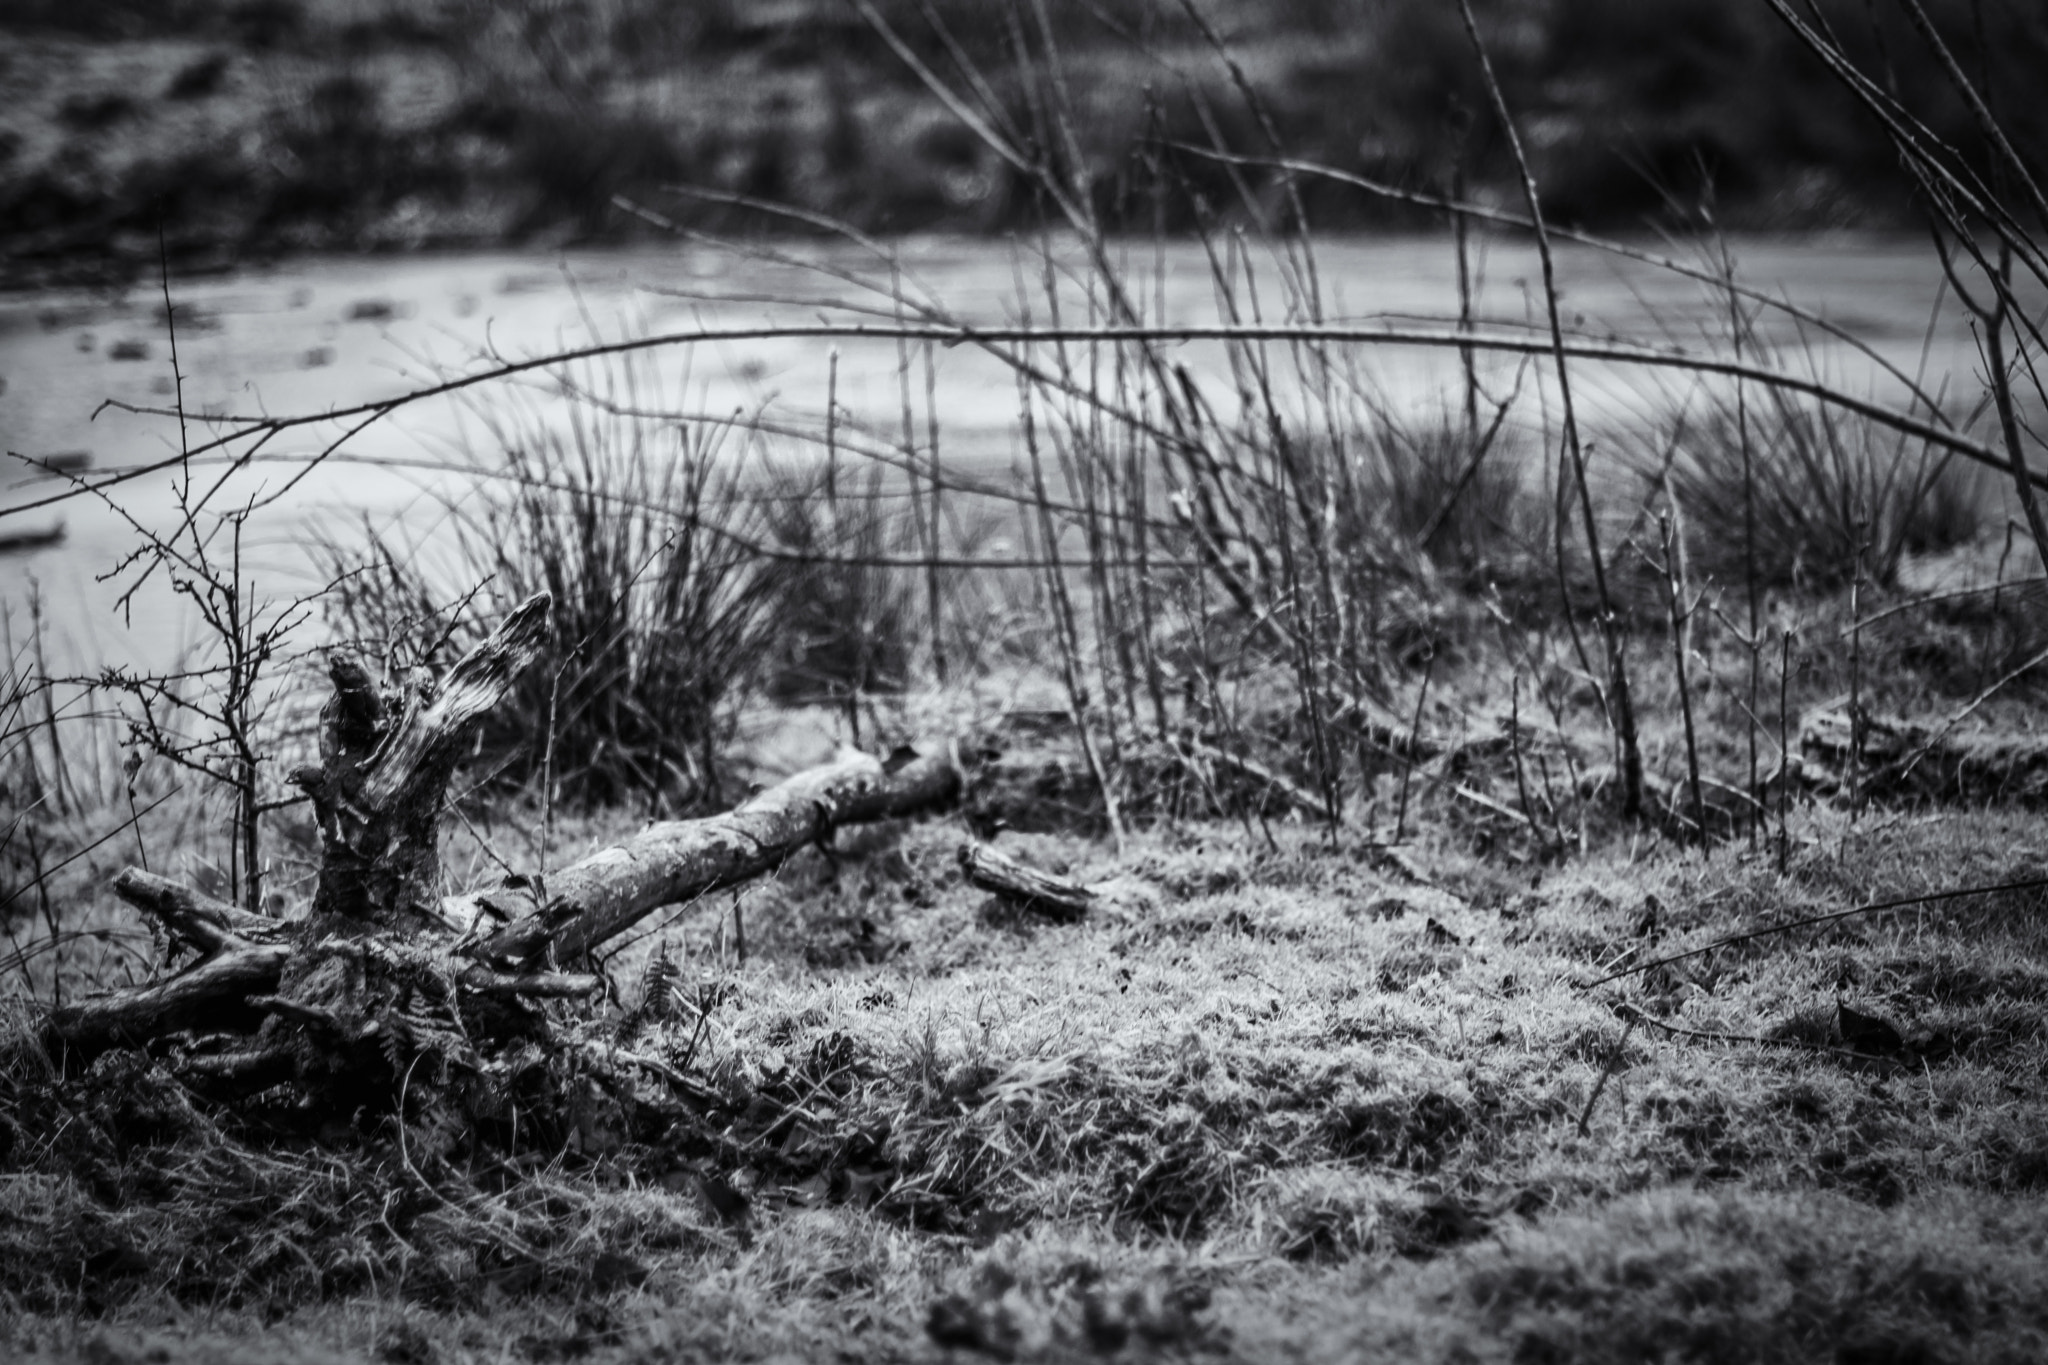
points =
(1808, 921)
(1631, 1013)
(1060, 898)
(1607, 1073)
(1414, 730)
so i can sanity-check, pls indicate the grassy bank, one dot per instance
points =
(1274, 1105)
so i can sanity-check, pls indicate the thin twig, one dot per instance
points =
(1628, 1011)
(1622, 718)
(264, 428)
(1607, 1073)
(1877, 907)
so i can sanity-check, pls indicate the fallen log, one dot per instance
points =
(202, 921)
(187, 1000)
(594, 900)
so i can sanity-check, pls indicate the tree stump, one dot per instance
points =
(385, 765)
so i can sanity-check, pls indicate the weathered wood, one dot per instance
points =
(378, 792)
(357, 980)
(207, 924)
(588, 902)
(252, 958)
(147, 1012)
(1060, 898)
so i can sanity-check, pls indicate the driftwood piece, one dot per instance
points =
(385, 766)
(588, 902)
(1889, 758)
(1060, 898)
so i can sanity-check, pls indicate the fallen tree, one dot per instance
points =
(383, 972)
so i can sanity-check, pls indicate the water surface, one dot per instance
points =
(312, 335)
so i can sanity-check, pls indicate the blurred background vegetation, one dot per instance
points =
(251, 127)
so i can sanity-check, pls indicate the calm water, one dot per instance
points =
(313, 335)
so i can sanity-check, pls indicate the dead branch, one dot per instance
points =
(145, 1012)
(199, 920)
(591, 901)
(1263, 777)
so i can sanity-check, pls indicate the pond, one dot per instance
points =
(311, 335)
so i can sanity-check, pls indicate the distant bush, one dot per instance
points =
(844, 610)
(1826, 489)
(572, 161)
(687, 578)
(1455, 497)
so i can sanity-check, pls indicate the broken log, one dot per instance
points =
(1059, 898)
(200, 920)
(377, 795)
(591, 901)
(384, 972)
(297, 978)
